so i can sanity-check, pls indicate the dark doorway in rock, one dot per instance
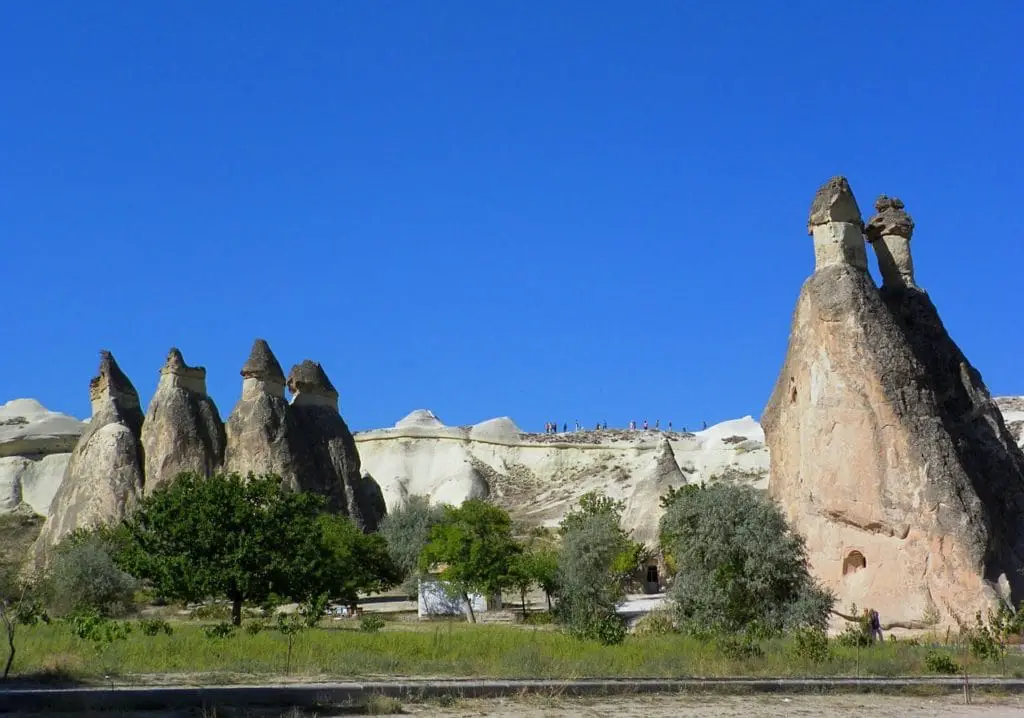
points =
(651, 583)
(854, 562)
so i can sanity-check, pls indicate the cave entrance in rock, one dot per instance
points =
(854, 562)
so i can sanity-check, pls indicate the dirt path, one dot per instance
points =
(835, 706)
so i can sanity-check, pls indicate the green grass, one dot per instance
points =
(447, 649)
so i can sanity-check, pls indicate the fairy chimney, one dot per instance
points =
(889, 233)
(837, 228)
(183, 430)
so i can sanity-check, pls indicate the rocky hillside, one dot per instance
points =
(538, 477)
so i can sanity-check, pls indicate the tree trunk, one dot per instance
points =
(469, 605)
(236, 610)
(9, 625)
(548, 597)
(522, 597)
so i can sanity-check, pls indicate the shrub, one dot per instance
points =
(738, 564)
(811, 644)
(219, 630)
(540, 618)
(371, 623)
(739, 648)
(941, 663)
(589, 589)
(658, 622)
(855, 635)
(154, 626)
(85, 579)
(254, 627)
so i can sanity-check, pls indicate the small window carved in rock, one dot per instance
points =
(792, 396)
(854, 562)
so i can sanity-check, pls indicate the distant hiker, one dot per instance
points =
(597, 426)
(645, 424)
(605, 427)
(632, 425)
(657, 424)
(876, 626)
(670, 425)
(577, 425)
(565, 427)
(705, 424)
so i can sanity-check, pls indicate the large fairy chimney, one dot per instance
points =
(331, 449)
(183, 430)
(262, 434)
(908, 496)
(103, 479)
(889, 233)
(837, 227)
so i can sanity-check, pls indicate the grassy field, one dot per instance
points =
(449, 650)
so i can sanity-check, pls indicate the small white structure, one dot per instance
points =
(437, 598)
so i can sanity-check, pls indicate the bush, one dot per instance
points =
(254, 627)
(941, 663)
(854, 636)
(540, 618)
(658, 622)
(84, 578)
(739, 648)
(811, 644)
(211, 612)
(371, 623)
(219, 630)
(589, 590)
(153, 626)
(738, 564)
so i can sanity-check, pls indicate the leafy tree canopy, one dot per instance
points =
(407, 531)
(475, 546)
(739, 566)
(245, 539)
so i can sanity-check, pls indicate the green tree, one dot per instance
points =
(18, 607)
(589, 587)
(354, 562)
(224, 536)
(596, 504)
(474, 544)
(84, 576)
(543, 566)
(739, 566)
(407, 531)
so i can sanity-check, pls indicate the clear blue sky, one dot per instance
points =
(543, 210)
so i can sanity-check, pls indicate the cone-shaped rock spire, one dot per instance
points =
(183, 430)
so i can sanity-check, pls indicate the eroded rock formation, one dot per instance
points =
(332, 451)
(104, 477)
(262, 434)
(35, 447)
(864, 457)
(182, 430)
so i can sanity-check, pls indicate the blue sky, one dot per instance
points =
(544, 210)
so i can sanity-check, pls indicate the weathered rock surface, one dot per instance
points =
(103, 479)
(540, 477)
(331, 449)
(262, 434)
(1012, 408)
(182, 430)
(35, 446)
(864, 460)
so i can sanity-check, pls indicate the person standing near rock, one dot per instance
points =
(876, 626)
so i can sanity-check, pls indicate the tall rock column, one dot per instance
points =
(986, 450)
(182, 430)
(103, 480)
(861, 459)
(889, 232)
(332, 450)
(262, 435)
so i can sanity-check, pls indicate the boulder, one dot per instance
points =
(331, 449)
(182, 430)
(104, 476)
(35, 447)
(863, 459)
(262, 434)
